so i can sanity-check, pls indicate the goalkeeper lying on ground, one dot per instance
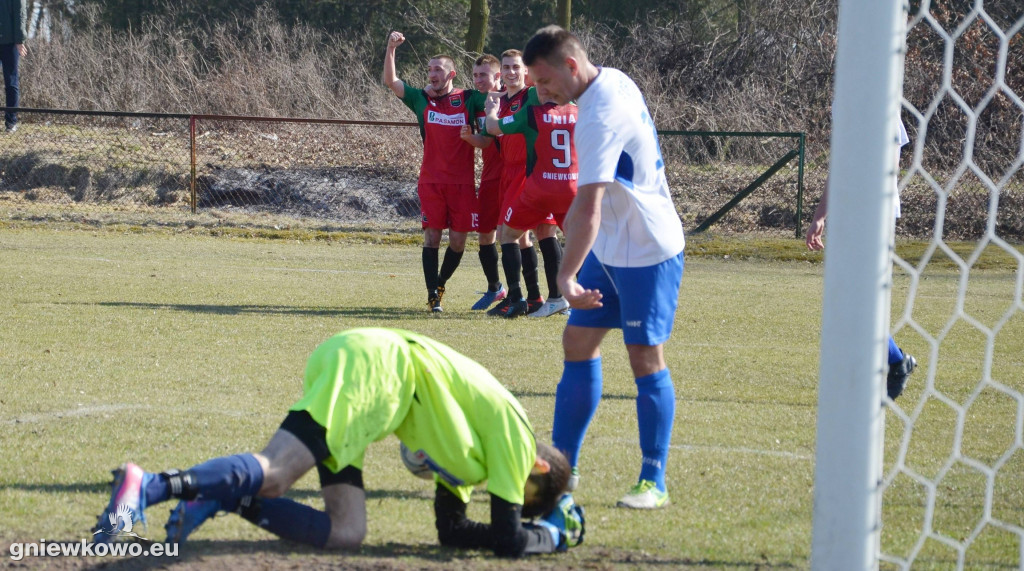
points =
(360, 386)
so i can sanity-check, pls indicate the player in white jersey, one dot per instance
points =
(625, 240)
(900, 363)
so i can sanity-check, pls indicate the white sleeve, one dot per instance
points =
(598, 148)
(904, 139)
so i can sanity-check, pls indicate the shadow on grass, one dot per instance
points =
(64, 488)
(103, 488)
(551, 394)
(384, 313)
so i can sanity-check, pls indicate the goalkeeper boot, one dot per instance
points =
(644, 496)
(898, 374)
(127, 504)
(568, 518)
(490, 297)
(187, 516)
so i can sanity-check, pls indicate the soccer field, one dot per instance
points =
(167, 349)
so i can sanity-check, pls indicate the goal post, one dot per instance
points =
(858, 277)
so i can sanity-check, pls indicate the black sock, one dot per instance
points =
(449, 265)
(430, 267)
(489, 262)
(552, 250)
(530, 274)
(512, 262)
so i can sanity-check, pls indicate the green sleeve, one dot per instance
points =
(475, 101)
(414, 98)
(518, 123)
(531, 97)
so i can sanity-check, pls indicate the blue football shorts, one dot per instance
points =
(639, 301)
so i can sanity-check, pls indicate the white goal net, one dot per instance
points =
(936, 478)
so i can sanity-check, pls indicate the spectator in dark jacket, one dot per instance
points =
(12, 49)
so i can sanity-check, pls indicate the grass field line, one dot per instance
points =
(79, 411)
(722, 449)
(81, 259)
(120, 407)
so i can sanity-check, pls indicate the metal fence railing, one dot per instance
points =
(264, 171)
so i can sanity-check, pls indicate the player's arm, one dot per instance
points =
(817, 226)
(491, 108)
(390, 76)
(581, 225)
(478, 140)
(506, 535)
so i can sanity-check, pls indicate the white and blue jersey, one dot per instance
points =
(617, 144)
(637, 258)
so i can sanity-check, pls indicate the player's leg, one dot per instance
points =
(551, 248)
(512, 263)
(900, 367)
(579, 389)
(346, 506)
(462, 219)
(222, 480)
(291, 452)
(452, 257)
(433, 212)
(531, 273)
(488, 222)
(648, 298)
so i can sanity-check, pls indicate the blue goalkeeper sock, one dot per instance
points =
(576, 400)
(655, 411)
(288, 519)
(225, 479)
(895, 355)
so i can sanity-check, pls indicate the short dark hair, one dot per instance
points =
(512, 52)
(488, 59)
(551, 43)
(447, 61)
(550, 486)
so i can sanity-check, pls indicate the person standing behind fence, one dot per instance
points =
(625, 240)
(12, 49)
(446, 186)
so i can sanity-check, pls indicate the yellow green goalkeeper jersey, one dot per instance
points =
(364, 384)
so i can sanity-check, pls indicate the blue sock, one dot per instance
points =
(895, 355)
(289, 520)
(576, 400)
(655, 411)
(225, 479)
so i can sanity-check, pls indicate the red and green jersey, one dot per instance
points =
(447, 159)
(551, 168)
(513, 147)
(492, 154)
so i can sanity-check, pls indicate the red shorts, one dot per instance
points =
(522, 216)
(448, 206)
(488, 197)
(513, 179)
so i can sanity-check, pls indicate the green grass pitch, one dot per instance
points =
(170, 348)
